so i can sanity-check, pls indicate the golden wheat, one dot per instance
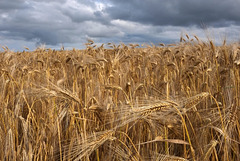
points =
(124, 102)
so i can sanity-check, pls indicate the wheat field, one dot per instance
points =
(119, 103)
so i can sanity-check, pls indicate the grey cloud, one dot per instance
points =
(73, 21)
(41, 25)
(57, 1)
(95, 29)
(175, 12)
(78, 15)
(83, 13)
(49, 37)
(39, 35)
(54, 24)
(13, 4)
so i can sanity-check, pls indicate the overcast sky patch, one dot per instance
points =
(71, 22)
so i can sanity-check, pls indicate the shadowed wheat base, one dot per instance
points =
(166, 102)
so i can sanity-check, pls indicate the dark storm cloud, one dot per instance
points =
(177, 12)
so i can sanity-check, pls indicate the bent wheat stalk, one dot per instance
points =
(83, 148)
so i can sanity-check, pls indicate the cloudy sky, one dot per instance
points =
(30, 23)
